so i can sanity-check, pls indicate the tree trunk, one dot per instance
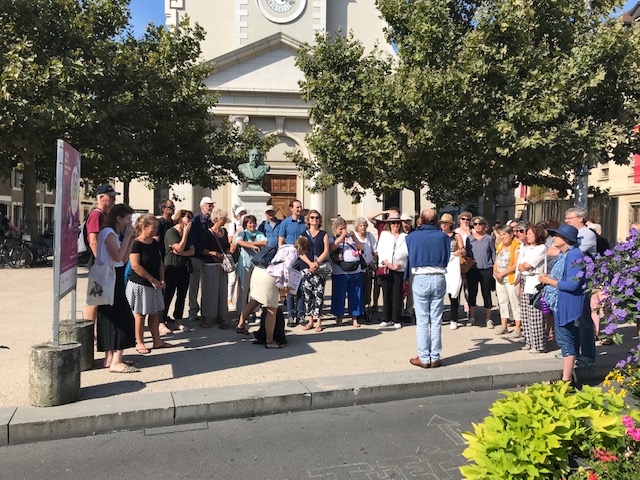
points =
(417, 201)
(125, 192)
(29, 203)
(489, 205)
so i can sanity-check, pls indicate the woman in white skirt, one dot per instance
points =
(268, 283)
(145, 289)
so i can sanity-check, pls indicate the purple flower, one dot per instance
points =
(608, 253)
(610, 329)
(638, 305)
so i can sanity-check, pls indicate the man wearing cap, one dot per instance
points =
(290, 229)
(429, 250)
(270, 226)
(106, 196)
(199, 225)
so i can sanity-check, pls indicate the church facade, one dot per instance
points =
(254, 44)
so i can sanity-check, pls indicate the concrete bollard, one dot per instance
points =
(54, 374)
(82, 333)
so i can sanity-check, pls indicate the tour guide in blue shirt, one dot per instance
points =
(290, 229)
(429, 249)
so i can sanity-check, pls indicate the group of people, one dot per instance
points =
(182, 253)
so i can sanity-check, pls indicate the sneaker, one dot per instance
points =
(397, 326)
(193, 317)
(502, 331)
(526, 347)
(490, 324)
(533, 350)
(584, 362)
(516, 335)
(559, 356)
(453, 325)
(385, 324)
(471, 322)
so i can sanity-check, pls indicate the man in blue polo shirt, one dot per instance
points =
(429, 249)
(270, 226)
(290, 229)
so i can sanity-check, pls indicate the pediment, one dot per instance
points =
(267, 65)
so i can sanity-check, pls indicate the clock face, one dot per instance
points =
(281, 11)
(281, 6)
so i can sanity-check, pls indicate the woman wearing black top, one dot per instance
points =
(314, 277)
(146, 283)
(215, 244)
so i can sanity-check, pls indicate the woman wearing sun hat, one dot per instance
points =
(564, 293)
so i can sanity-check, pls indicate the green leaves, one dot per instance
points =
(481, 91)
(531, 434)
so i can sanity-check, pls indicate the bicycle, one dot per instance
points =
(5, 250)
(21, 256)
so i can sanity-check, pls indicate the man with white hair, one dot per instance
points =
(602, 244)
(199, 225)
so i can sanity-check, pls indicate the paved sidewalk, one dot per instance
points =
(370, 360)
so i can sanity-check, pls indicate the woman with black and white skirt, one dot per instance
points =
(146, 283)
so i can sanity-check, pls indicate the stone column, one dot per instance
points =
(239, 122)
(54, 374)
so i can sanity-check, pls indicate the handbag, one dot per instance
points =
(338, 258)
(382, 271)
(536, 300)
(228, 264)
(263, 258)
(324, 269)
(101, 284)
(466, 264)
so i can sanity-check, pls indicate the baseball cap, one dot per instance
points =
(205, 201)
(269, 208)
(406, 216)
(106, 189)
(239, 209)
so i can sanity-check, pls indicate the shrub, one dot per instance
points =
(532, 434)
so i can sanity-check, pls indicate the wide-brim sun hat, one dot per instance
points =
(393, 217)
(205, 201)
(446, 218)
(568, 232)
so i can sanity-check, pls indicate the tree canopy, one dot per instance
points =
(136, 108)
(479, 91)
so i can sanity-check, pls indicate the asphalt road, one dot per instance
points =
(417, 438)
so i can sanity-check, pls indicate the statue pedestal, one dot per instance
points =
(255, 201)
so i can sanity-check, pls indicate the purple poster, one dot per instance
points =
(68, 216)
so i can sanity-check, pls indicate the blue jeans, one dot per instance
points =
(295, 305)
(428, 303)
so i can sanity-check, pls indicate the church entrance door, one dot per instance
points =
(283, 189)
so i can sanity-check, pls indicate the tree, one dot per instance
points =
(482, 91)
(135, 108)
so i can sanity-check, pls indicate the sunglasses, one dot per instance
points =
(394, 223)
(314, 218)
(519, 230)
(169, 207)
(189, 217)
(465, 218)
(475, 224)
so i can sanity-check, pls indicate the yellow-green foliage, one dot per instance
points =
(532, 434)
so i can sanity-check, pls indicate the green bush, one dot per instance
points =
(533, 434)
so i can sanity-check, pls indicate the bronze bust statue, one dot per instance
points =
(254, 170)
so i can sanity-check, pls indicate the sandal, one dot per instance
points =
(126, 369)
(242, 330)
(273, 345)
(319, 328)
(142, 350)
(356, 324)
(184, 329)
(204, 324)
(308, 326)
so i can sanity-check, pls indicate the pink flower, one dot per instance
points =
(627, 421)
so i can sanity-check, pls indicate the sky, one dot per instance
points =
(145, 11)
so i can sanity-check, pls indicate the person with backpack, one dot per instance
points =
(106, 197)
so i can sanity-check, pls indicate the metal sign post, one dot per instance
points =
(67, 222)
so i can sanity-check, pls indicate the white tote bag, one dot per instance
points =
(101, 283)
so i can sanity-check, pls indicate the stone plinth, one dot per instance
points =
(54, 374)
(255, 202)
(82, 333)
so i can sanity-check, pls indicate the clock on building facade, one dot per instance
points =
(281, 11)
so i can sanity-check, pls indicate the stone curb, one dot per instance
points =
(134, 412)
